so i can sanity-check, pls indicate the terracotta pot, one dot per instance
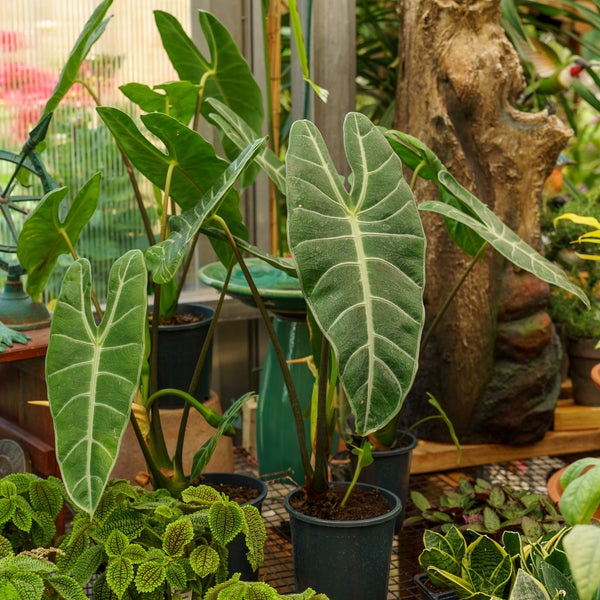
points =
(595, 375)
(555, 489)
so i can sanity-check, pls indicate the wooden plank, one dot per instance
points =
(43, 457)
(569, 416)
(36, 346)
(430, 457)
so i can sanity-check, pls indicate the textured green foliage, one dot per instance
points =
(147, 542)
(204, 560)
(492, 509)
(226, 521)
(177, 536)
(234, 589)
(353, 277)
(256, 536)
(92, 373)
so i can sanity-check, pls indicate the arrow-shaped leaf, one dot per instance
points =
(582, 545)
(225, 75)
(45, 236)
(165, 258)
(361, 262)
(502, 238)
(92, 373)
(92, 30)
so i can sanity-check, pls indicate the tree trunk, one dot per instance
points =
(458, 81)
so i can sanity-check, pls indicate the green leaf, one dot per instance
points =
(557, 582)
(88, 563)
(119, 574)
(503, 239)
(92, 373)
(45, 236)
(7, 509)
(351, 271)
(226, 74)
(491, 520)
(225, 520)
(419, 500)
(68, 588)
(176, 576)
(256, 535)
(241, 134)
(207, 449)
(527, 586)
(149, 576)
(176, 536)
(45, 497)
(166, 257)
(177, 99)
(92, 30)
(202, 494)
(29, 586)
(581, 495)
(582, 546)
(204, 560)
(116, 544)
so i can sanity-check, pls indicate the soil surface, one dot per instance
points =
(179, 319)
(236, 493)
(362, 504)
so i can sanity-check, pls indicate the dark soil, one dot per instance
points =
(362, 504)
(236, 493)
(179, 319)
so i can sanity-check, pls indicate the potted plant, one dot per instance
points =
(138, 542)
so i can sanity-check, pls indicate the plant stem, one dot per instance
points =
(186, 266)
(199, 99)
(132, 178)
(320, 479)
(451, 295)
(285, 371)
(93, 296)
(178, 457)
(413, 181)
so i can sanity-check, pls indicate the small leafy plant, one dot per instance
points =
(140, 542)
(514, 569)
(477, 505)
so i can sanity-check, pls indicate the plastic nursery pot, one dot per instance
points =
(431, 592)
(390, 470)
(179, 347)
(345, 560)
(237, 561)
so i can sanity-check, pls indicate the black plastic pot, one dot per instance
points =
(179, 347)
(238, 563)
(345, 560)
(390, 470)
(430, 592)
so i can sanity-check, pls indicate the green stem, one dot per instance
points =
(197, 112)
(285, 371)
(320, 479)
(186, 267)
(132, 178)
(178, 457)
(359, 467)
(451, 295)
(93, 296)
(413, 181)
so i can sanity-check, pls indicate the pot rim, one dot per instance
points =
(396, 507)
(226, 477)
(412, 444)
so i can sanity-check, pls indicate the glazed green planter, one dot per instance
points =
(276, 445)
(345, 560)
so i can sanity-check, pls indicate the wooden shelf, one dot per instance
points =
(36, 346)
(430, 457)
